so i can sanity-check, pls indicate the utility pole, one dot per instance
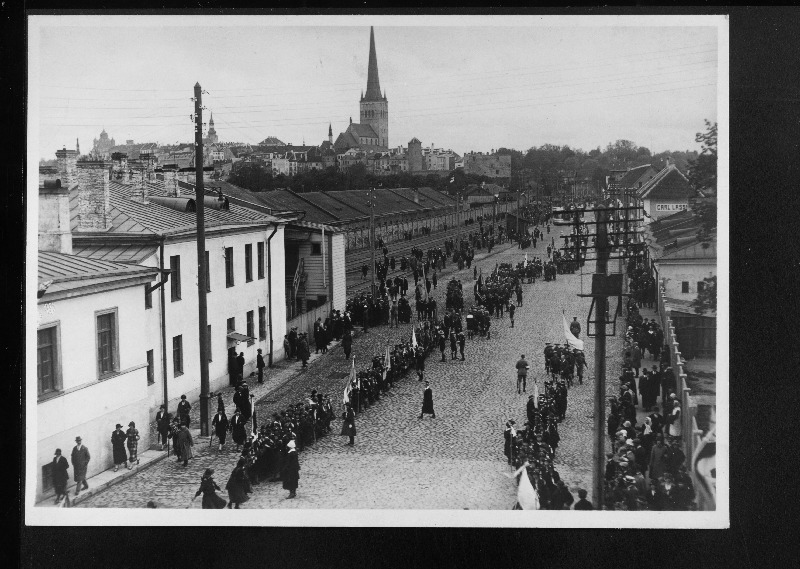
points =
(600, 364)
(202, 305)
(371, 203)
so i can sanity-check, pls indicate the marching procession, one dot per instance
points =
(437, 318)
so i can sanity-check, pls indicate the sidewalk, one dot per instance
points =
(274, 378)
(279, 375)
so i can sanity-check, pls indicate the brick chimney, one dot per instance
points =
(94, 196)
(140, 193)
(67, 169)
(54, 227)
(171, 184)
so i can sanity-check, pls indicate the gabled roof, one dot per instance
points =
(669, 183)
(362, 130)
(345, 141)
(272, 141)
(632, 176)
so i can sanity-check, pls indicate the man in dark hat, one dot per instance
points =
(575, 327)
(60, 475)
(240, 366)
(183, 411)
(80, 463)
(260, 366)
(162, 424)
(220, 425)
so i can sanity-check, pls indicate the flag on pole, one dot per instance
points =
(387, 362)
(413, 339)
(535, 395)
(350, 379)
(526, 261)
(571, 340)
(526, 495)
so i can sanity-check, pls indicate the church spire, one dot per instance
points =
(373, 83)
(211, 120)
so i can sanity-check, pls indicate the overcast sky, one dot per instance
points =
(465, 84)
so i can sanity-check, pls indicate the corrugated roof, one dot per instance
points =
(123, 253)
(386, 202)
(428, 197)
(129, 216)
(61, 267)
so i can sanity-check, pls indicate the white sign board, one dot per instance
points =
(671, 207)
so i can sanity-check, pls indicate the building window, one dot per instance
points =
(260, 253)
(208, 346)
(107, 345)
(250, 328)
(232, 324)
(685, 286)
(248, 262)
(175, 276)
(229, 266)
(47, 364)
(208, 273)
(262, 322)
(177, 355)
(148, 297)
(701, 286)
(316, 248)
(151, 378)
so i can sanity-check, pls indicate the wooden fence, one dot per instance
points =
(305, 322)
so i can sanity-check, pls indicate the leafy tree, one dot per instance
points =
(706, 300)
(703, 179)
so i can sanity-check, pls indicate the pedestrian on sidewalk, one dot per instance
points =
(80, 463)
(303, 351)
(184, 444)
(260, 365)
(183, 412)
(60, 475)
(132, 435)
(162, 424)
(238, 485)
(220, 424)
(427, 401)
(349, 425)
(240, 366)
(290, 472)
(118, 439)
(208, 489)
(522, 374)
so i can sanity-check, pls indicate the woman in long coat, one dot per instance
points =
(184, 444)
(208, 489)
(132, 435)
(238, 485)
(237, 428)
(118, 439)
(349, 425)
(290, 472)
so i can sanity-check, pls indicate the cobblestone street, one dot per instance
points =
(455, 461)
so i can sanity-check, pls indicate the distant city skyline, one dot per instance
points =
(512, 83)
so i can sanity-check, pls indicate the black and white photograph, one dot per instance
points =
(377, 270)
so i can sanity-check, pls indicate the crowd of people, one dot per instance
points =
(647, 466)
